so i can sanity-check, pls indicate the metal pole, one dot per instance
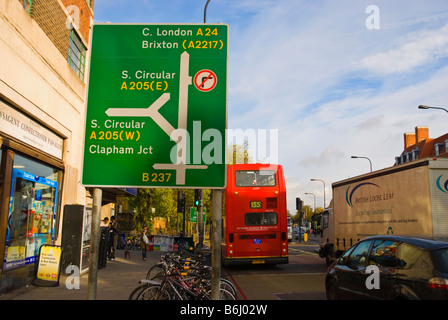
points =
(216, 242)
(201, 192)
(200, 219)
(324, 189)
(205, 11)
(216, 228)
(428, 107)
(358, 157)
(94, 244)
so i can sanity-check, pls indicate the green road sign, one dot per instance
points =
(157, 106)
(194, 215)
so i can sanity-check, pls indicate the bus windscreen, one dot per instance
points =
(251, 178)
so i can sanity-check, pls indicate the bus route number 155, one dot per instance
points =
(256, 204)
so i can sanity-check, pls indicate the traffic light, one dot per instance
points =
(196, 198)
(299, 204)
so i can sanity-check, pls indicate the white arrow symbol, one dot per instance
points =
(152, 111)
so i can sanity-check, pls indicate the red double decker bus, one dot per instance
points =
(254, 221)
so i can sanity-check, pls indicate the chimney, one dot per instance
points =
(421, 133)
(409, 140)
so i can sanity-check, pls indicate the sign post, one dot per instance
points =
(157, 106)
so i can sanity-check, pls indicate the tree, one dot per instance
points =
(308, 214)
(162, 202)
(238, 154)
(142, 208)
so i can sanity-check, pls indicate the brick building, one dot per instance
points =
(418, 145)
(43, 73)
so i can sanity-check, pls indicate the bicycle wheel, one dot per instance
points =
(154, 292)
(137, 244)
(121, 243)
(136, 292)
(226, 295)
(223, 295)
(154, 271)
(129, 244)
(227, 285)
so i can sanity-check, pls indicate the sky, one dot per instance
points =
(335, 78)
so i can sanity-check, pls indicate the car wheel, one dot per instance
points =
(331, 291)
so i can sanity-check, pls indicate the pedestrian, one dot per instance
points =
(104, 222)
(144, 240)
(113, 237)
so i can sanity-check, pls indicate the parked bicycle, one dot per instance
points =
(121, 241)
(181, 276)
(133, 243)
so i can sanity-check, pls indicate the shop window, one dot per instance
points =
(36, 168)
(32, 212)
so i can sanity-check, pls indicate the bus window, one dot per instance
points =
(259, 178)
(261, 219)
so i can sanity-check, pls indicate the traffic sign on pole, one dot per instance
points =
(157, 106)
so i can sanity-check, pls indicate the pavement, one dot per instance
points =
(116, 281)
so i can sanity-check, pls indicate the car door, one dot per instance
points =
(351, 272)
(384, 257)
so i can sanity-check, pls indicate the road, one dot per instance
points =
(301, 279)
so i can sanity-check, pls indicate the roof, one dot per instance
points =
(427, 148)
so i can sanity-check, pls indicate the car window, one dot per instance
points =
(408, 255)
(358, 256)
(384, 253)
(343, 259)
(441, 257)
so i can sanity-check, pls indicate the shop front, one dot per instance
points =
(31, 173)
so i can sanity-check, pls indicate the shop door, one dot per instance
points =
(32, 212)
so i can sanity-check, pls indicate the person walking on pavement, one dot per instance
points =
(113, 237)
(104, 223)
(144, 241)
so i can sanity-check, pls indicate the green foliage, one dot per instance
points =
(308, 214)
(151, 203)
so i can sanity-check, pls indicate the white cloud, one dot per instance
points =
(421, 48)
(326, 157)
(331, 87)
(293, 69)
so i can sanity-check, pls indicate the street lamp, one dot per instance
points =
(314, 199)
(357, 157)
(422, 106)
(324, 187)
